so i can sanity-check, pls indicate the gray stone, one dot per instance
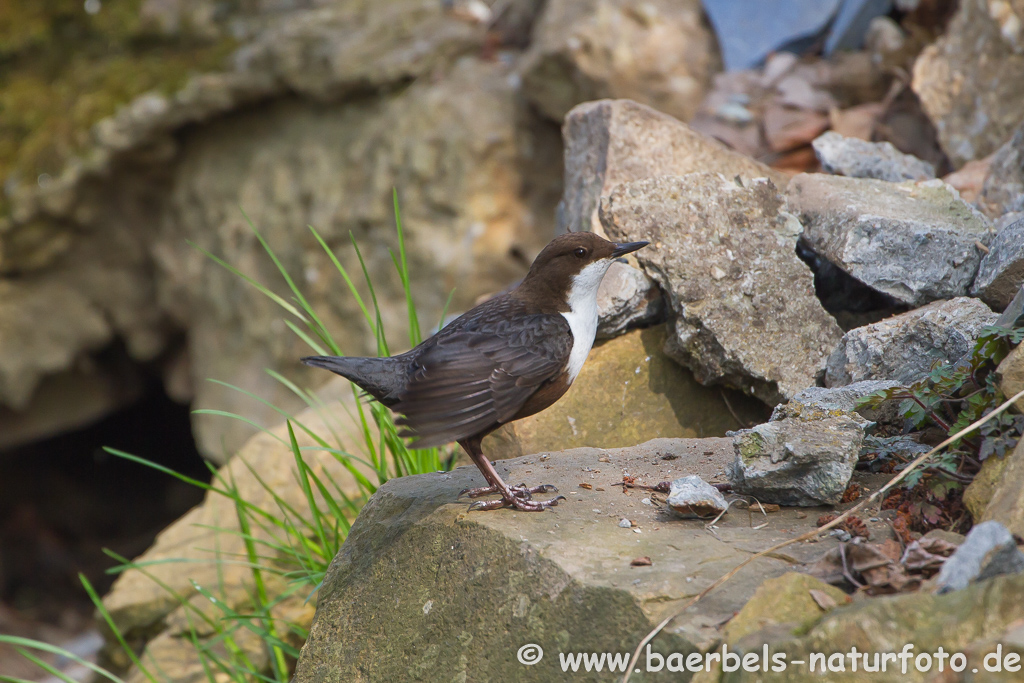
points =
(821, 400)
(1003, 189)
(692, 497)
(1013, 311)
(989, 550)
(627, 298)
(475, 587)
(856, 158)
(743, 307)
(618, 141)
(971, 80)
(916, 242)
(659, 52)
(1001, 272)
(796, 461)
(904, 347)
(750, 31)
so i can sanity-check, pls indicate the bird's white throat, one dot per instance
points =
(582, 315)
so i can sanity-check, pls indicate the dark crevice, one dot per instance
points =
(64, 498)
(851, 302)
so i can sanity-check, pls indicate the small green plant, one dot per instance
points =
(949, 398)
(286, 550)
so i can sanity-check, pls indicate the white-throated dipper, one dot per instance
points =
(508, 358)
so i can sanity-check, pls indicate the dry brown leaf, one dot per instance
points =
(823, 599)
(641, 562)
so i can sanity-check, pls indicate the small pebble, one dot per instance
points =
(647, 501)
(625, 524)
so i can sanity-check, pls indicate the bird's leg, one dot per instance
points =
(516, 497)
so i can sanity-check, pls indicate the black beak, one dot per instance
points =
(623, 248)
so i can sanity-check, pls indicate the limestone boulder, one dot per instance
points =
(997, 494)
(904, 347)
(916, 242)
(423, 589)
(660, 53)
(743, 309)
(798, 461)
(969, 81)
(1001, 272)
(1002, 191)
(627, 390)
(618, 141)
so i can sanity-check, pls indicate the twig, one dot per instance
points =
(846, 569)
(811, 534)
(742, 423)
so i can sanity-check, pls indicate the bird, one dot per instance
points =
(508, 358)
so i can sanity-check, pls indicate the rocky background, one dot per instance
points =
(831, 190)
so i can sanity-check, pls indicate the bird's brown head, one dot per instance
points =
(574, 262)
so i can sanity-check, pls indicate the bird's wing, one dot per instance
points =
(478, 376)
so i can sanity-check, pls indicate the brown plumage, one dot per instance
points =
(508, 358)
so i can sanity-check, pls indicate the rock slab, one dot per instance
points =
(856, 158)
(1001, 272)
(1003, 189)
(916, 242)
(743, 308)
(989, 550)
(424, 590)
(904, 347)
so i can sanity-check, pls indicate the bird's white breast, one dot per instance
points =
(582, 315)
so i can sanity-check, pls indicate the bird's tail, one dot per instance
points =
(381, 378)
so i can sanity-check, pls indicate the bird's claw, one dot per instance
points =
(520, 491)
(518, 503)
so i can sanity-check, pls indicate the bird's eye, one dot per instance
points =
(580, 252)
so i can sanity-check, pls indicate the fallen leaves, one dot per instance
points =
(882, 569)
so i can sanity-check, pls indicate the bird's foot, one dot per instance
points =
(520, 491)
(518, 502)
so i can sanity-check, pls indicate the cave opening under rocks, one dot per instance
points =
(63, 499)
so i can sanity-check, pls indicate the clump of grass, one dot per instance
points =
(286, 549)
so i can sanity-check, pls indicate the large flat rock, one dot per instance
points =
(424, 590)
(743, 308)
